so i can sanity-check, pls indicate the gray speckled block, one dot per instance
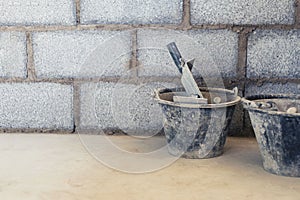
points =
(272, 88)
(13, 56)
(131, 11)
(37, 12)
(36, 106)
(215, 51)
(127, 107)
(242, 12)
(78, 54)
(274, 54)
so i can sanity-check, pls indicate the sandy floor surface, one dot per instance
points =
(54, 167)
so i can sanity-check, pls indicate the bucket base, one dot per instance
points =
(196, 155)
(281, 167)
(290, 172)
(208, 150)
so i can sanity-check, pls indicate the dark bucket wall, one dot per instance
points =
(277, 132)
(197, 130)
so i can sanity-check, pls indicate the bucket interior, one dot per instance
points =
(280, 103)
(211, 93)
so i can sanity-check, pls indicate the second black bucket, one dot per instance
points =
(197, 130)
(276, 123)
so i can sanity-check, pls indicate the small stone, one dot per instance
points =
(253, 104)
(217, 100)
(271, 106)
(292, 110)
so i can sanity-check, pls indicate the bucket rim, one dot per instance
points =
(247, 101)
(183, 105)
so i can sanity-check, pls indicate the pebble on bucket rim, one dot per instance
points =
(292, 110)
(217, 100)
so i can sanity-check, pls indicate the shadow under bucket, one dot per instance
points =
(197, 130)
(276, 123)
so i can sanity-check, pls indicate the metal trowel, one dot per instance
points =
(193, 93)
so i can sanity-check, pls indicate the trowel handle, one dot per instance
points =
(173, 50)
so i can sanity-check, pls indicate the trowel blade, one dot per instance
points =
(190, 64)
(189, 82)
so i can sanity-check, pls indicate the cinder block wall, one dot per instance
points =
(63, 62)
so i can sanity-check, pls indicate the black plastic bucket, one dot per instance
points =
(277, 131)
(197, 130)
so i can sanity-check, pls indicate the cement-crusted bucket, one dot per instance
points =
(197, 130)
(276, 123)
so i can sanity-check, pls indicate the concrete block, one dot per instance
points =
(13, 55)
(131, 12)
(36, 106)
(242, 12)
(215, 52)
(121, 106)
(272, 88)
(80, 54)
(274, 54)
(37, 12)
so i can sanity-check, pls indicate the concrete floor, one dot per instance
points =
(35, 166)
